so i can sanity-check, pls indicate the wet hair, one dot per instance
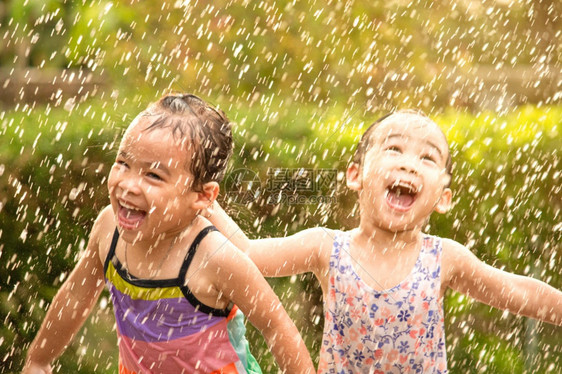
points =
(208, 129)
(365, 141)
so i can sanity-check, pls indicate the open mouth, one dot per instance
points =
(401, 195)
(129, 216)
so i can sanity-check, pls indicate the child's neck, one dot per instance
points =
(150, 258)
(385, 257)
(387, 240)
(161, 243)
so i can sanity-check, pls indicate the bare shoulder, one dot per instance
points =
(88, 272)
(322, 240)
(314, 244)
(453, 248)
(102, 232)
(457, 259)
(216, 250)
(216, 266)
(213, 250)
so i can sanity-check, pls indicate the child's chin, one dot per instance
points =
(130, 236)
(398, 226)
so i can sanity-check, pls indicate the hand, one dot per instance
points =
(207, 212)
(34, 368)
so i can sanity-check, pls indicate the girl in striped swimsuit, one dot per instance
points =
(178, 286)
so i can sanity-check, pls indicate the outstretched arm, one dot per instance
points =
(515, 293)
(69, 309)
(305, 251)
(240, 281)
(226, 225)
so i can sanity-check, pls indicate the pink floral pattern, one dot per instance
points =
(399, 330)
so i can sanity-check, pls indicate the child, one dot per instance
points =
(175, 282)
(383, 282)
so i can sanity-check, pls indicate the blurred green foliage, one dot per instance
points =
(507, 210)
(382, 52)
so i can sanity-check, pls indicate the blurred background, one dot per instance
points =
(301, 80)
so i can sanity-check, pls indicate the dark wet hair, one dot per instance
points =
(208, 128)
(365, 141)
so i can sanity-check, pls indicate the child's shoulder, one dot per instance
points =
(103, 230)
(453, 251)
(456, 259)
(210, 241)
(453, 248)
(317, 240)
(321, 234)
(105, 222)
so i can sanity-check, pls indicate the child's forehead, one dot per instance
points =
(140, 129)
(408, 125)
(158, 145)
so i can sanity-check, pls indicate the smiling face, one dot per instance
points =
(403, 177)
(150, 185)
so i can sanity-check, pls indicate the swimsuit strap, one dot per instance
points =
(192, 249)
(183, 271)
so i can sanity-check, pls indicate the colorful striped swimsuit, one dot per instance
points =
(399, 330)
(163, 328)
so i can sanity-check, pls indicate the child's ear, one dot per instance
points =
(444, 203)
(353, 176)
(205, 197)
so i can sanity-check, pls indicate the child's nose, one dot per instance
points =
(130, 184)
(409, 165)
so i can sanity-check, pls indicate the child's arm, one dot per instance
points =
(515, 293)
(69, 309)
(239, 280)
(308, 250)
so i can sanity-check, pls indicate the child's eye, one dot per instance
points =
(429, 158)
(121, 163)
(393, 148)
(154, 176)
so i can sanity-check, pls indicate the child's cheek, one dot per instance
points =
(185, 190)
(184, 183)
(111, 180)
(172, 205)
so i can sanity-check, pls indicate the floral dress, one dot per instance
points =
(399, 330)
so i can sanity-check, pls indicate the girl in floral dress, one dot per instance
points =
(383, 282)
